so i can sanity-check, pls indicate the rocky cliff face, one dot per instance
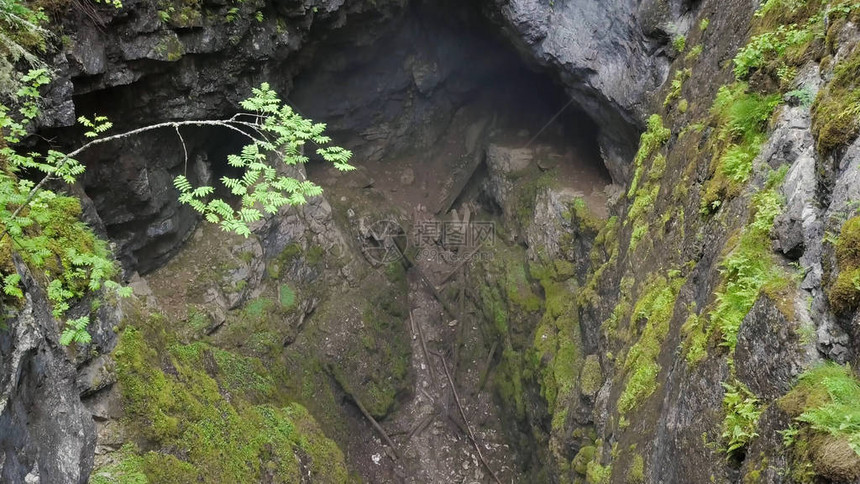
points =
(48, 434)
(611, 56)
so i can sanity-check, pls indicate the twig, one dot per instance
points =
(69, 156)
(426, 281)
(225, 123)
(375, 424)
(364, 412)
(422, 425)
(429, 397)
(486, 374)
(461, 264)
(424, 348)
(466, 421)
(184, 151)
(462, 321)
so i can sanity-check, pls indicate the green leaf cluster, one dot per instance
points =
(748, 269)
(742, 413)
(43, 226)
(741, 120)
(834, 406)
(770, 47)
(279, 141)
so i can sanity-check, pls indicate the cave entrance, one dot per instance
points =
(419, 100)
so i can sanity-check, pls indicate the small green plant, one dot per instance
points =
(75, 331)
(786, 74)
(742, 413)
(117, 4)
(827, 399)
(769, 46)
(807, 334)
(283, 134)
(802, 96)
(232, 15)
(789, 435)
(679, 43)
(704, 24)
(636, 475)
(259, 16)
(694, 53)
(681, 75)
(10, 285)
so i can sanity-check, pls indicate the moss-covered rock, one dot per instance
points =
(837, 108)
(844, 294)
(213, 416)
(583, 457)
(826, 403)
(591, 377)
(655, 309)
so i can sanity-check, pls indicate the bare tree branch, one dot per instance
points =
(184, 151)
(226, 123)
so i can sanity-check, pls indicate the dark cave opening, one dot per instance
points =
(414, 97)
(416, 100)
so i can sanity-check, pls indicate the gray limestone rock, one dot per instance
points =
(771, 350)
(46, 433)
(607, 55)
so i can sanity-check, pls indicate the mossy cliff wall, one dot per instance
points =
(725, 278)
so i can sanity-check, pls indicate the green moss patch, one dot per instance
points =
(582, 459)
(645, 189)
(655, 309)
(591, 377)
(555, 353)
(202, 407)
(654, 137)
(836, 111)
(844, 294)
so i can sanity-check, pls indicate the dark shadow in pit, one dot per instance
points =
(418, 105)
